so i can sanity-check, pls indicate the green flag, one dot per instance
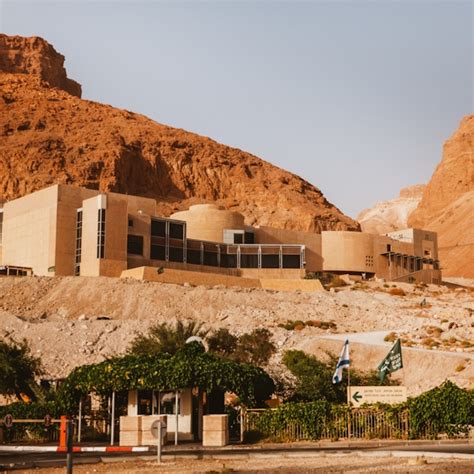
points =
(392, 362)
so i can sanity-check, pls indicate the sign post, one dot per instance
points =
(158, 430)
(358, 396)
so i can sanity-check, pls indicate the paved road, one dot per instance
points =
(12, 461)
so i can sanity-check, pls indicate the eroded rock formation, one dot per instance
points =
(388, 216)
(447, 205)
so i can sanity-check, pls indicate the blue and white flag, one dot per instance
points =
(341, 363)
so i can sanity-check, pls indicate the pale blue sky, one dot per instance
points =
(356, 97)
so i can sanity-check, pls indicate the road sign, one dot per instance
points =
(8, 421)
(358, 396)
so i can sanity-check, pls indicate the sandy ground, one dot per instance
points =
(71, 321)
(341, 463)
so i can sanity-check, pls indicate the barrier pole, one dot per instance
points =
(62, 431)
(79, 422)
(177, 420)
(112, 420)
(69, 437)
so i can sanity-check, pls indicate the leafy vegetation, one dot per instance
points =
(298, 325)
(18, 369)
(444, 409)
(255, 347)
(189, 367)
(164, 337)
(314, 378)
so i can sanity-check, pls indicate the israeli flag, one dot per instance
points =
(341, 363)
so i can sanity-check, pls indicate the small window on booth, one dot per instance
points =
(238, 238)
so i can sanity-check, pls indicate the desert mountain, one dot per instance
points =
(388, 216)
(447, 205)
(49, 135)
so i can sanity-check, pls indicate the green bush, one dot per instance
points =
(314, 378)
(444, 409)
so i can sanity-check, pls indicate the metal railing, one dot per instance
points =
(357, 424)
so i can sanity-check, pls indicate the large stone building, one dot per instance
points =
(65, 230)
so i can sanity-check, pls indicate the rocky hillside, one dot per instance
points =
(388, 216)
(100, 317)
(50, 135)
(447, 205)
(35, 56)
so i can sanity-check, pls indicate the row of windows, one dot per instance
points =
(77, 267)
(225, 259)
(101, 233)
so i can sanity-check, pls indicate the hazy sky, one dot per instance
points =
(356, 97)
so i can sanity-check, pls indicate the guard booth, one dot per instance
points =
(184, 410)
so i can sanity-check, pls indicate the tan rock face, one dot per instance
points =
(388, 216)
(35, 56)
(49, 136)
(447, 206)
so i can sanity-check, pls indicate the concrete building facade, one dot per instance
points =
(65, 230)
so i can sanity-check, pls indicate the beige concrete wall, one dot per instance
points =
(287, 273)
(70, 199)
(291, 285)
(29, 231)
(348, 252)
(179, 277)
(208, 221)
(312, 242)
(90, 264)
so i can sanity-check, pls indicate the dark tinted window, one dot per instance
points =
(194, 256)
(270, 261)
(135, 244)
(248, 261)
(291, 261)
(176, 254)
(238, 238)
(176, 231)
(249, 238)
(158, 228)
(157, 252)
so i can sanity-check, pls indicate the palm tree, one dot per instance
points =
(164, 337)
(18, 369)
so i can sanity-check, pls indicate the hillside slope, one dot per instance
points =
(447, 205)
(391, 215)
(50, 136)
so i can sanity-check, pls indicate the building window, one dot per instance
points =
(238, 238)
(135, 244)
(158, 252)
(101, 233)
(130, 222)
(158, 228)
(249, 237)
(389, 248)
(77, 263)
(176, 231)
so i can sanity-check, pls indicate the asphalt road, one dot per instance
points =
(24, 460)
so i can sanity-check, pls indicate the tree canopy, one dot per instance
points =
(190, 367)
(18, 369)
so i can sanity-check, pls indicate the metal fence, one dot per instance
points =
(358, 423)
(93, 428)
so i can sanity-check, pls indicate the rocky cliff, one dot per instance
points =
(387, 216)
(35, 56)
(447, 205)
(50, 136)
